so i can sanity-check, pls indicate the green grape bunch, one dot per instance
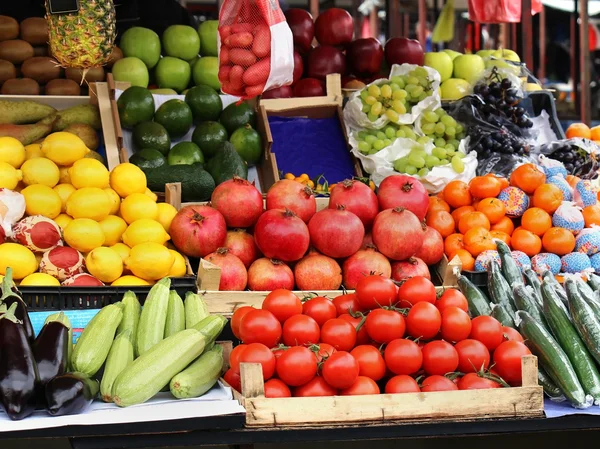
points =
(371, 141)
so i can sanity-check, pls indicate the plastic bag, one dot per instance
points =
(579, 156)
(499, 11)
(588, 241)
(568, 216)
(256, 47)
(12, 209)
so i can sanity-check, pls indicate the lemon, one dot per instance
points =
(129, 280)
(113, 228)
(64, 175)
(40, 171)
(39, 279)
(33, 150)
(145, 230)
(105, 264)
(89, 173)
(42, 200)
(137, 206)
(166, 213)
(150, 194)
(179, 268)
(115, 200)
(122, 250)
(9, 176)
(89, 202)
(64, 148)
(126, 179)
(64, 192)
(12, 151)
(83, 234)
(20, 259)
(63, 220)
(150, 261)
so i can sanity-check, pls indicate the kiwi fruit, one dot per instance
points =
(9, 28)
(93, 75)
(35, 30)
(116, 54)
(41, 50)
(16, 51)
(7, 71)
(85, 133)
(22, 86)
(63, 87)
(41, 68)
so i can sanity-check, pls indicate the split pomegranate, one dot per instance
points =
(241, 244)
(318, 272)
(403, 191)
(197, 231)
(356, 197)
(336, 232)
(280, 234)
(239, 201)
(292, 195)
(234, 276)
(269, 274)
(432, 250)
(410, 268)
(397, 233)
(362, 263)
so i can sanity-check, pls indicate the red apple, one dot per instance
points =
(302, 26)
(334, 26)
(324, 60)
(298, 66)
(2, 235)
(278, 92)
(400, 50)
(309, 87)
(365, 56)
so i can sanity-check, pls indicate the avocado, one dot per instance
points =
(185, 153)
(176, 116)
(151, 135)
(234, 116)
(135, 105)
(209, 136)
(205, 103)
(196, 183)
(148, 158)
(226, 164)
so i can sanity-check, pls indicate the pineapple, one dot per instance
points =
(85, 39)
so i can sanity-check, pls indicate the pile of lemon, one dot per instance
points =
(113, 219)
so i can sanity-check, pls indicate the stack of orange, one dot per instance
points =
(583, 131)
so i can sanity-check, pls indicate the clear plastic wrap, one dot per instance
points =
(578, 156)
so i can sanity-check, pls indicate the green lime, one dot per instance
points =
(176, 116)
(209, 136)
(185, 153)
(247, 143)
(151, 135)
(205, 102)
(234, 116)
(148, 158)
(135, 105)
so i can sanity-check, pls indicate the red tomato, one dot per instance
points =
(403, 356)
(234, 357)
(277, 351)
(362, 336)
(363, 385)
(260, 326)
(370, 361)
(437, 383)
(487, 330)
(452, 298)
(259, 353)
(347, 304)
(456, 324)
(340, 370)
(275, 388)
(319, 309)
(511, 334)
(315, 387)
(300, 330)
(232, 377)
(296, 366)
(339, 333)
(472, 381)
(423, 321)
(439, 357)
(415, 290)
(237, 318)
(283, 304)
(384, 326)
(472, 356)
(325, 350)
(507, 360)
(375, 291)
(402, 384)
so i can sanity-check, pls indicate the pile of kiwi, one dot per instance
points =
(27, 68)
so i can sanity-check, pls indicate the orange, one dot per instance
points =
(456, 194)
(477, 240)
(595, 133)
(547, 197)
(467, 261)
(527, 177)
(485, 187)
(436, 203)
(572, 180)
(442, 222)
(458, 213)
(579, 130)
(492, 208)
(518, 228)
(591, 215)
(536, 220)
(559, 241)
(472, 220)
(505, 224)
(453, 243)
(503, 181)
(526, 241)
(501, 236)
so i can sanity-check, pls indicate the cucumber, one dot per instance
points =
(585, 321)
(510, 269)
(131, 315)
(151, 328)
(532, 280)
(175, 315)
(568, 338)
(525, 301)
(120, 355)
(478, 302)
(550, 388)
(549, 277)
(552, 358)
(501, 314)
(594, 281)
(195, 309)
(590, 301)
(62, 318)
(499, 290)
(211, 327)
(583, 287)
(200, 376)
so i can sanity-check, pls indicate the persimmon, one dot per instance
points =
(527, 177)
(442, 222)
(456, 194)
(478, 240)
(505, 224)
(536, 220)
(579, 130)
(453, 243)
(547, 197)
(466, 259)
(591, 215)
(472, 220)
(559, 241)
(436, 203)
(484, 187)
(501, 236)
(526, 241)
(493, 208)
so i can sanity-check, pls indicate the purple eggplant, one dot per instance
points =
(10, 297)
(70, 394)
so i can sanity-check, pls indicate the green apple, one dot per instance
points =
(485, 53)
(173, 73)
(455, 89)
(132, 70)
(468, 67)
(531, 87)
(142, 43)
(502, 64)
(206, 72)
(440, 61)
(181, 41)
(208, 37)
(453, 54)
(163, 91)
(509, 55)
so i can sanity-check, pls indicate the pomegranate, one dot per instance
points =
(309, 87)
(397, 233)
(234, 276)
(241, 244)
(278, 92)
(432, 250)
(325, 60)
(82, 280)
(358, 198)
(362, 263)
(239, 201)
(368, 241)
(298, 68)
(292, 195)
(337, 232)
(198, 230)
(280, 234)
(318, 272)
(410, 268)
(403, 191)
(269, 274)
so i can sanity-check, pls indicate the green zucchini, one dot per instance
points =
(120, 355)
(499, 289)
(552, 358)
(478, 302)
(200, 376)
(131, 315)
(524, 300)
(584, 320)
(510, 269)
(533, 281)
(211, 327)
(550, 388)
(151, 328)
(175, 315)
(501, 314)
(195, 309)
(594, 281)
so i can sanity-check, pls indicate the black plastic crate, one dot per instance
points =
(478, 278)
(541, 100)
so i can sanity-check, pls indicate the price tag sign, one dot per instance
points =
(63, 6)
